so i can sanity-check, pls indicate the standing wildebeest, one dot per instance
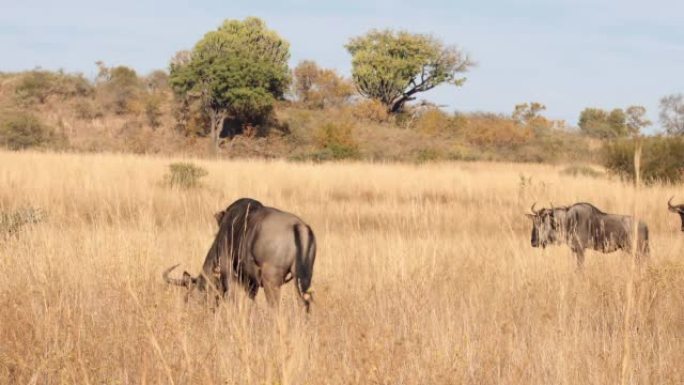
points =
(679, 209)
(583, 226)
(257, 246)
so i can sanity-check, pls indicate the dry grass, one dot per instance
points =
(424, 275)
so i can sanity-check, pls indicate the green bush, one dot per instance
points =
(184, 175)
(662, 159)
(22, 130)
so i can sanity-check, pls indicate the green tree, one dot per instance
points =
(603, 124)
(393, 66)
(236, 71)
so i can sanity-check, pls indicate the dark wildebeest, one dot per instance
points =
(582, 226)
(679, 209)
(257, 246)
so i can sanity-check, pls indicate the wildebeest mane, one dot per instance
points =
(230, 240)
(594, 208)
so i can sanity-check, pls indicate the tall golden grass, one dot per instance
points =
(424, 274)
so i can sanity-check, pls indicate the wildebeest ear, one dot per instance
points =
(219, 216)
(530, 215)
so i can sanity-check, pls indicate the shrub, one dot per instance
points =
(495, 130)
(662, 159)
(581, 170)
(36, 86)
(153, 112)
(434, 121)
(338, 140)
(86, 109)
(372, 110)
(427, 155)
(11, 222)
(22, 130)
(184, 175)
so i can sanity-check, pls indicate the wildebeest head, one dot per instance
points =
(186, 280)
(224, 250)
(545, 226)
(679, 209)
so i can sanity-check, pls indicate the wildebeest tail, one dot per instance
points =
(305, 241)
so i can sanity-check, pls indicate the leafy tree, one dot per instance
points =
(636, 119)
(320, 87)
(603, 124)
(236, 71)
(393, 66)
(672, 114)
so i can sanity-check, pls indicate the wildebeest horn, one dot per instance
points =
(670, 206)
(173, 281)
(532, 208)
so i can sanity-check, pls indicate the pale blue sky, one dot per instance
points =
(566, 54)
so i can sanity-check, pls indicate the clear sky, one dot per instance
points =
(567, 54)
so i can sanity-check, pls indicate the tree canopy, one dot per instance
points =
(236, 71)
(393, 66)
(603, 124)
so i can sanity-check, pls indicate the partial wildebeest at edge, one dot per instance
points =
(679, 209)
(582, 226)
(256, 246)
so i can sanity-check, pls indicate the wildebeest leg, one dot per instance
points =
(272, 294)
(223, 284)
(271, 279)
(252, 287)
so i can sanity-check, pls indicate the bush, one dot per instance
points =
(36, 86)
(581, 170)
(495, 130)
(184, 175)
(427, 155)
(23, 130)
(662, 159)
(11, 222)
(87, 110)
(434, 121)
(153, 110)
(372, 110)
(338, 140)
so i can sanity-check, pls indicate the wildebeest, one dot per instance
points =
(583, 226)
(679, 209)
(256, 246)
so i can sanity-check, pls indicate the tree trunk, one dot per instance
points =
(214, 117)
(217, 119)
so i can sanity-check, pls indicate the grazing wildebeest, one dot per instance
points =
(582, 226)
(257, 246)
(679, 209)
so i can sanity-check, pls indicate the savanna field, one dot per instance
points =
(424, 274)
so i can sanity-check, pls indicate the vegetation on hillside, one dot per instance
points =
(234, 94)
